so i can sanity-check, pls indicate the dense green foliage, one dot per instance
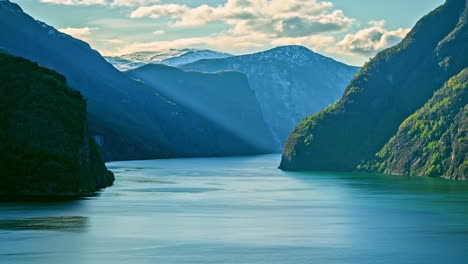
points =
(434, 141)
(45, 148)
(390, 88)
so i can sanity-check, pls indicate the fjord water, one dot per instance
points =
(243, 210)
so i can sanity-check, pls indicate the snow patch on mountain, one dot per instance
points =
(193, 56)
(170, 57)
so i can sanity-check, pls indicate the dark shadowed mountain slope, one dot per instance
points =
(127, 118)
(290, 83)
(390, 88)
(224, 98)
(45, 146)
(434, 141)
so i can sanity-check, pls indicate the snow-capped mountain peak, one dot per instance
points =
(293, 54)
(171, 57)
(290, 82)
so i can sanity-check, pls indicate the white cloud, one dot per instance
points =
(117, 24)
(302, 26)
(376, 23)
(226, 43)
(133, 2)
(102, 2)
(363, 43)
(113, 41)
(316, 42)
(78, 32)
(159, 32)
(369, 41)
(75, 2)
(156, 11)
(292, 18)
(252, 25)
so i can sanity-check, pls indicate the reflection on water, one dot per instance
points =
(55, 223)
(243, 210)
(174, 190)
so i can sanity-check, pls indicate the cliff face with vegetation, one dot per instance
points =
(224, 98)
(45, 146)
(390, 88)
(434, 140)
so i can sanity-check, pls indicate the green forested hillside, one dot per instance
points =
(433, 141)
(390, 88)
(45, 147)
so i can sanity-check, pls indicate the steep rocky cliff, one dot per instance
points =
(45, 146)
(434, 141)
(390, 88)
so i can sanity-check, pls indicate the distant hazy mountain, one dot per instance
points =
(224, 97)
(123, 64)
(127, 118)
(170, 57)
(45, 146)
(290, 82)
(387, 109)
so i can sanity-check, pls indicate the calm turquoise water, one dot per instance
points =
(243, 210)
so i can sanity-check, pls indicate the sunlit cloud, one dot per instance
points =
(365, 42)
(76, 2)
(316, 42)
(116, 24)
(127, 3)
(280, 18)
(79, 33)
(226, 43)
(241, 26)
(377, 23)
(132, 2)
(156, 11)
(158, 32)
(113, 41)
(369, 41)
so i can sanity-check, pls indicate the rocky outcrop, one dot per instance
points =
(45, 146)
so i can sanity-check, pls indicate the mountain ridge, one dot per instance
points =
(170, 57)
(280, 78)
(130, 120)
(388, 89)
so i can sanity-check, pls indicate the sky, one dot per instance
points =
(351, 31)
